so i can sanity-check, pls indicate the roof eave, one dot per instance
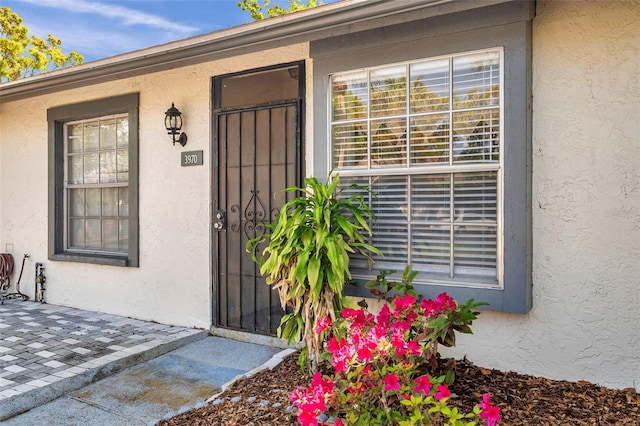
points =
(328, 20)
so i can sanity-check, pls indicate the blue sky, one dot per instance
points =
(100, 29)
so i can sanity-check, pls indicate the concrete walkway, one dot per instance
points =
(160, 388)
(48, 351)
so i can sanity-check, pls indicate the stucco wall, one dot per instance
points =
(173, 283)
(585, 321)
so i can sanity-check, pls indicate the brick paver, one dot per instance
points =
(41, 344)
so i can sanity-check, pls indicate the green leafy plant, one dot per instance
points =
(380, 287)
(439, 329)
(307, 256)
(379, 375)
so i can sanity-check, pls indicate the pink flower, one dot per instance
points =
(384, 314)
(297, 396)
(340, 365)
(308, 403)
(358, 317)
(350, 313)
(356, 339)
(443, 392)
(414, 348)
(391, 383)
(398, 343)
(485, 400)
(318, 380)
(364, 353)
(378, 332)
(490, 413)
(430, 308)
(338, 422)
(334, 345)
(402, 326)
(404, 302)
(322, 324)
(341, 352)
(307, 418)
(313, 400)
(445, 303)
(423, 384)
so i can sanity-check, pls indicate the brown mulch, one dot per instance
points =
(523, 400)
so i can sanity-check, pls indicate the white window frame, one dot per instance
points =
(408, 169)
(100, 185)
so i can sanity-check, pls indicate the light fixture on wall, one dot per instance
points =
(173, 123)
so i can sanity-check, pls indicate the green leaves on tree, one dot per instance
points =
(23, 55)
(272, 9)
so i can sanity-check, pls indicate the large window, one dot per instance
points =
(427, 136)
(93, 186)
(436, 114)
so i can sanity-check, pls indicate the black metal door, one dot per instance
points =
(258, 155)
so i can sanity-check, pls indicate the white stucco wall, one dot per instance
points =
(173, 283)
(585, 321)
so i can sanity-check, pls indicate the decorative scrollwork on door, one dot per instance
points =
(252, 218)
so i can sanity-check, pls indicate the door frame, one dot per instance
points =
(216, 102)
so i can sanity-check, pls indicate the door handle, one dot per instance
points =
(220, 223)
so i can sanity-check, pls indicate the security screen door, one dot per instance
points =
(257, 156)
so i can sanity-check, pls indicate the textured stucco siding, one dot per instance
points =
(585, 321)
(173, 283)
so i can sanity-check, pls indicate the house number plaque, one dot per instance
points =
(191, 158)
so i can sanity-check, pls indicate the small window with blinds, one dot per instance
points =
(96, 185)
(427, 137)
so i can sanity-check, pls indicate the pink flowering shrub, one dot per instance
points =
(380, 376)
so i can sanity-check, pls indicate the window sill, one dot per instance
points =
(95, 259)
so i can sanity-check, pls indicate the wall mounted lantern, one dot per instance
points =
(173, 123)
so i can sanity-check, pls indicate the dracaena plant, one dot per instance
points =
(306, 257)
